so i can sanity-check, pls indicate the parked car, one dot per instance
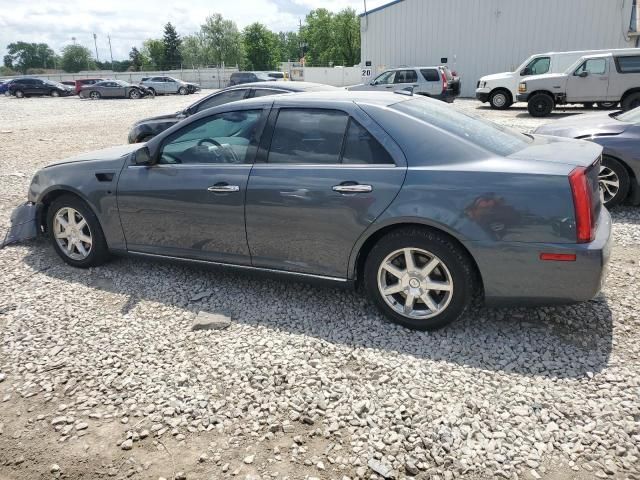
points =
(426, 206)
(81, 82)
(594, 78)
(619, 135)
(238, 78)
(167, 85)
(501, 89)
(69, 84)
(282, 76)
(27, 87)
(428, 81)
(115, 89)
(146, 129)
(453, 79)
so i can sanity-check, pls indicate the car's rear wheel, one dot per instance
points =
(134, 94)
(419, 278)
(607, 105)
(631, 101)
(19, 94)
(152, 92)
(182, 91)
(75, 232)
(94, 95)
(540, 105)
(614, 182)
(55, 93)
(500, 99)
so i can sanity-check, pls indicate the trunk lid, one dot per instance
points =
(566, 151)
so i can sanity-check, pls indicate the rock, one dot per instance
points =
(382, 469)
(54, 468)
(127, 445)
(181, 476)
(210, 321)
(59, 421)
(2, 377)
(81, 426)
(249, 459)
(411, 468)
(535, 474)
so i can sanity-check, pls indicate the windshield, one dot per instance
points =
(263, 76)
(483, 133)
(632, 116)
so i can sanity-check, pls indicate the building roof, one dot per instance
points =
(381, 7)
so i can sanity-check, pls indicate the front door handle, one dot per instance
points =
(223, 188)
(352, 188)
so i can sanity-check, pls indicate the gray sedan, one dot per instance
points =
(114, 89)
(619, 135)
(425, 206)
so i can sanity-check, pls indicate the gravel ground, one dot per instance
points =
(101, 375)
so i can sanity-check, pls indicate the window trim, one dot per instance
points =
(528, 66)
(262, 156)
(617, 64)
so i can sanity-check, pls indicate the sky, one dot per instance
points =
(130, 22)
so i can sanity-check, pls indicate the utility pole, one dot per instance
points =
(95, 42)
(110, 52)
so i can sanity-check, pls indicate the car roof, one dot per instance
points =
(382, 99)
(289, 86)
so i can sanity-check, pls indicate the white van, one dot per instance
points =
(501, 89)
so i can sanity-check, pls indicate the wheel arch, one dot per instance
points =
(357, 268)
(502, 89)
(629, 92)
(544, 92)
(53, 193)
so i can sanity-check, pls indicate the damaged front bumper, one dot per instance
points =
(24, 224)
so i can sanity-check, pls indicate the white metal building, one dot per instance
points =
(480, 37)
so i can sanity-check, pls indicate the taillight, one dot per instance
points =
(444, 82)
(583, 205)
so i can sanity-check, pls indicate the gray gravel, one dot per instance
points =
(304, 382)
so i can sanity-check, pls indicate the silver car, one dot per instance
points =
(427, 81)
(169, 85)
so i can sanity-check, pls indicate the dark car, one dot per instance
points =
(238, 78)
(81, 82)
(146, 129)
(115, 89)
(426, 206)
(619, 135)
(27, 87)
(4, 87)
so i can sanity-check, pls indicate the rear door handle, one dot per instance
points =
(354, 188)
(223, 188)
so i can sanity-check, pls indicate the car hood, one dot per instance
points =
(584, 125)
(112, 153)
(496, 76)
(545, 77)
(360, 86)
(559, 150)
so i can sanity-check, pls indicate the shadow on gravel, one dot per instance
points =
(556, 342)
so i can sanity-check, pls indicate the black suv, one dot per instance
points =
(238, 78)
(25, 87)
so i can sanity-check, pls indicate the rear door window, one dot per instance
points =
(406, 76)
(385, 78)
(430, 74)
(361, 148)
(222, 98)
(308, 136)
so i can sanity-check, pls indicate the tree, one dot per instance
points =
(346, 28)
(153, 54)
(289, 47)
(171, 43)
(76, 58)
(136, 59)
(192, 50)
(222, 41)
(260, 47)
(23, 56)
(319, 35)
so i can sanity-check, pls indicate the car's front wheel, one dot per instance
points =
(55, 93)
(419, 278)
(75, 232)
(540, 105)
(19, 94)
(134, 94)
(500, 99)
(182, 91)
(613, 181)
(631, 101)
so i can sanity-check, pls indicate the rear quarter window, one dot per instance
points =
(486, 135)
(629, 64)
(430, 74)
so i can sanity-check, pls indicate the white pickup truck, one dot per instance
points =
(501, 89)
(594, 78)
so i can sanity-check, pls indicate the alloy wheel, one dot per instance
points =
(415, 283)
(134, 94)
(94, 95)
(609, 184)
(72, 233)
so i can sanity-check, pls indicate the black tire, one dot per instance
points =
(500, 99)
(55, 93)
(540, 105)
(631, 101)
(588, 105)
(624, 182)
(94, 95)
(152, 91)
(99, 251)
(135, 94)
(182, 91)
(607, 105)
(19, 94)
(453, 257)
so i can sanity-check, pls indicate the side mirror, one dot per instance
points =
(142, 156)
(584, 74)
